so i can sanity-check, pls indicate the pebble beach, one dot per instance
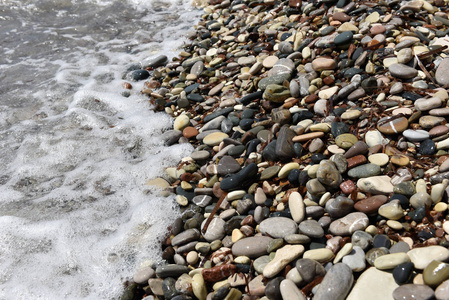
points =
(320, 168)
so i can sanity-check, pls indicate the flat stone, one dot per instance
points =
(311, 228)
(289, 290)
(442, 291)
(390, 261)
(413, 291)
(392, 125)
(282, 258)
(349, 224)
(376, 185)
(435, 273)
(228, 165)
(363, 171)
(320, 255)
(185, 237)
(355, 259)
(442, 71)
(373, 284)
(416, 135)
(380, 159)
(278, 227)
(252, 247)
(421, 257)
(423, 104)
(336, 283)
(276, 93)
(391, 210)
(402, 71)
(322, 63)
(373, 138)
(371, 204)
(213, 139)
(297, 207)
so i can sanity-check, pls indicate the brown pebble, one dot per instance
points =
(311, 98)
(347, 187)
(190, 132)
(370, 205)
(438, 130)
(341, 16)
(356, 161)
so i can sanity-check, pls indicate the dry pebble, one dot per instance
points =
(321, 143)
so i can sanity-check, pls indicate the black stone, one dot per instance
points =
(302, 115)
(344, 38)
(248, 98)
(297, 147)
(349, 73)
(425, 235)
(232, 224)
(168, 287)
(171, 270)
(284, 145)
(418, 214)
(243, 178)
(293, 176)
(247, 114)
(221, 112)
(303, 178)
(251, 146)
(269, 152)
(369, 85)
(140, 75)
(245, 124)
(338, 128)
(272, 289)
(195, 97)
(381, 240)
(236, 150)
(222, 292)
(403, 272)
(317, 157)
(403, 200)
(427, 147)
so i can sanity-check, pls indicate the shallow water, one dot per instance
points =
(76, 217)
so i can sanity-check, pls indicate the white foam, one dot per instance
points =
(76, 218)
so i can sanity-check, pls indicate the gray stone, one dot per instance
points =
(349, 224)
(336, 283)
(361, 239)
(339, 207)
(215, 231)
(413, 291)
(185, 237)
(402, 71)
(364, 171)
(328, 174)
(311, 228)
(356, 259)
(309, 269)
(278, 227)
(171, 270)
(442, 71)
(284, 144)
(252, 247)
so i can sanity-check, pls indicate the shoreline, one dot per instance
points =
(320, 165)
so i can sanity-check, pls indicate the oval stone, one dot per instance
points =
(278, 227)
(402, 71)
(370, 205)
(252, 247)
(349, 224)
(392, 125)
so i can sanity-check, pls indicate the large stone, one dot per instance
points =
(422, 256)
(289, 290)
(402, 71)
(413, 291)
(282, 258)
(328, 174)
(441, 75)
(376, 185)
(373, 284)
(278, 227)
(349, 224)
(252, 247)
(284, 144)
(336, 283)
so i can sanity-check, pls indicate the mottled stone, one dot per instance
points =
(349, 224)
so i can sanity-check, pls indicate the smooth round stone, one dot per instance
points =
(370, 205)
(278, 227)
(402, 71)
(289, 290)
(356, 259)
(404, 188)
(251, 247)
(442, 71)
(442, 291)
(215, 138)
(215, 231)
(438, 131)
(396, 88)
(260, 263)
(435, 273)
(374, 253)
(373, 138)
(272, 289)
(427, 147)
(344, 38)
(328, 174)
(390, 261)
(336, 283)
(321, 64)
(269, 172)
(320, 255)
(404, 55)
(403, 272)
(283, 257)
(181, 122)
(228, 165)
(420, 199)
(413, 291)
(346, 140)
(428, 122)
(237, 150)
(349, 224)
(270, 61)
(199, 287)
(376, 185)
(363, 171)
(297, 208)
(421, 257)
(286, 169)
(400, 160)
(185, 237)
(380, 159)
(373, 284)
(351, 114)
(361, 239)
(142, 276)
(171, 270)
(276, 93)
(416, 135)
(311, 228)
(391, 210)
(394, 225)
(339, 207)
(381, 241)
(427, 104)
(392, 125)
(308, 269)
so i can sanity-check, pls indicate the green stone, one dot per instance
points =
(276, 93)
(269, 172)
(435, 273)
(346, 140)
(275, 244)
(260, 263)
(404, 188)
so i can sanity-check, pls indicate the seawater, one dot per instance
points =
(76, 219)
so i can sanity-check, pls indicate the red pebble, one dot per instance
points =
(347, 187)
(218, 273)
(356, 161)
